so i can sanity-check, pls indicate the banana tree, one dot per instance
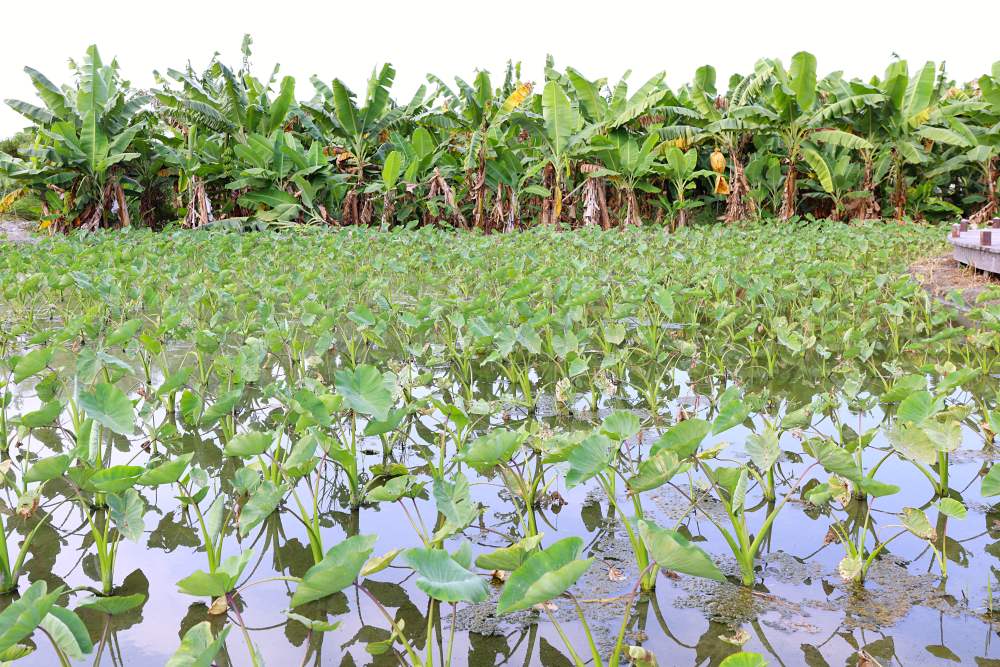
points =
(803, 118)
(681, 169)
(728, 122)
(629, 165)
(79, 166)
(360, 130)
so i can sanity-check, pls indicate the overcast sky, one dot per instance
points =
(450, 37)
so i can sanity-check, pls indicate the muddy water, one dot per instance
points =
(800, 614)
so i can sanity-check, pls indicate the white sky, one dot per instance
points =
(450, 37)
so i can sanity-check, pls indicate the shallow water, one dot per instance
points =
(800, 611)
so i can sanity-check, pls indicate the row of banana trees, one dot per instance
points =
(220, 144)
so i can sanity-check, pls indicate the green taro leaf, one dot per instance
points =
(588, 458)
(365, 391)
(222, 407)
(494, 448)
(991, 482)
(338, 569)
(113, 604)
(198, 648)
(47, 468)
(251, 443)
(683, 438)
(544, 575)
(166, 473)
(24, 614)
(32, 363)
(732, 411)
(68, 632)
(443, 578)
(116, 478)
(953, 508)
(763, 448)
(110, 407)
(744, 659)
(672, 551)
(656, 471)
(43, 416)
(509, 558)
(620, 425)
(262, 503)
(126, 512)
(915, 521)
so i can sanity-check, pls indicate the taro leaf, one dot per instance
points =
(24, 614)
(916, 407)
(109, 406)
(376, 427)
(392, 490)
(849, 568)
(313, 624)
(338, 569)
(123, 333)
(956, 379)
(672, 551)
(198, 648)
(260, 505)
(126, 511)
(877, 489)
(43, 416)
(835, 459)
(302, 454)
(587, 459)
(744, 659)
(509, 558)
(174, 381)
(113, 605)
(222, 407)
(951, 507)
(991, 482)
(365, 391)
(763, 448)
(251, 443)
(453, 501)
(443, 578)
(946, 436)
(732, 411)
(191, 406)
(621, 425)
(903, 387)
(494, 448)
(306, 402)
(378, 563)
(915, 521)
(544, 575)
(913, 443)
(683, 438)
(47, 468)
(68, 632)
(166, 473)
(31, 363)
(116, 478)
(220, 582)
(655, 471)
(665, 300)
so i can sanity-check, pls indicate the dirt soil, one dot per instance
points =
(17, 231)
(941, 275)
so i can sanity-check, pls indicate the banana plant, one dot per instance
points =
(79, 167)
(801, 120)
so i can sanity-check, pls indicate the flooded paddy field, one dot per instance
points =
(547, 448)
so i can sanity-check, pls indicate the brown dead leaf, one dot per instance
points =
(219, 606)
